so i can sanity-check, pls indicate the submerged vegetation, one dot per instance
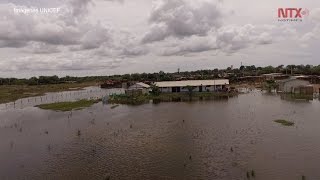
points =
(114, 106)
(251, 174)
(167, 97)
(297, 97)
(284, 122)
(270, 85)
(68, 106)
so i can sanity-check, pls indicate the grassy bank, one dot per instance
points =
(167, 97)
(68, 106)
(15, 92)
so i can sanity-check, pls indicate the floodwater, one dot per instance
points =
(220, 139)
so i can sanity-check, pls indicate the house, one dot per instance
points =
(111, 84)
(138, 88)
(294, 85)
(198, 85)
(275, 76)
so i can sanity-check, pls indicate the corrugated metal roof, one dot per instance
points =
(290, 79)
(139, 85)
(192, 83)
(143, 84)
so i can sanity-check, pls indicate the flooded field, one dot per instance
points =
(220, 139)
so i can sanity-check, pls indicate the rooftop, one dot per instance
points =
(192, 83)
(143, 84)
(274, 74)
(290, 79)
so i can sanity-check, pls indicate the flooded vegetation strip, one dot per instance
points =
(284, 122)
(9, 93)
(68, 106)
(166, 97)
(114, 106)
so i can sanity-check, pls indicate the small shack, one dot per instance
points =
(138, 89)
(296, 86)
(275, 76)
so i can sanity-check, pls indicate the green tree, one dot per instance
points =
(190, 90)
(155, 90)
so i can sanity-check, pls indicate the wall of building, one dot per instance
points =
(290, 85)
(136, 86)
(136, 92)
(196, 89)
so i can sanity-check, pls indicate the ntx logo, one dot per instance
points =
(292, 14)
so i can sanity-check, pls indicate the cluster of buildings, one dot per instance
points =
(301, 84)
(182, 86)
(285, 84)
(293, 84)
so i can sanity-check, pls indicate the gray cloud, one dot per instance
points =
(18, 30)
(41, 48)
(233, 38)
(180, 18)
(314, 34)
(42, 62)
(186, 27)
(27, 28)
(82, 38)
(194, 44)
(227, 39)
(12, 43)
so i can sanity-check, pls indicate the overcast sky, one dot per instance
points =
(104, 37)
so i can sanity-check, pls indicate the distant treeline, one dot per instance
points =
(231, 73)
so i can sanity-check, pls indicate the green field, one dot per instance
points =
(9, 93)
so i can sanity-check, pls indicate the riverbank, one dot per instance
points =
(9, 93)
(167, 97)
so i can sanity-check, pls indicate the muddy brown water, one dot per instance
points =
(220, 139)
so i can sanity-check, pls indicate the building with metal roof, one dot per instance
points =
(198, 85)
(292, 85)
(138, 88)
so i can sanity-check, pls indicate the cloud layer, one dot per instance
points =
(73, 39)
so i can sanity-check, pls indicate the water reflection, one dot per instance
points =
(297, 97)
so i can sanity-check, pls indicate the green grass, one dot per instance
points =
(9, 93)
(68, 106)
(284, 122)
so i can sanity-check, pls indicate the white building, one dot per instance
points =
(198, 85)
